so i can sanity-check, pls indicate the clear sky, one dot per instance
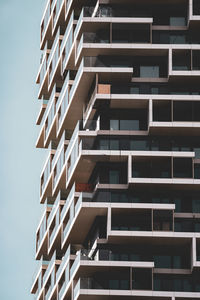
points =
(21, 163)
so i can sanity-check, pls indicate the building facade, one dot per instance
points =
(119, 83)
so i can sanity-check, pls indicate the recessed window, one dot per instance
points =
(114, 177)
(149, 71)
(177, 21)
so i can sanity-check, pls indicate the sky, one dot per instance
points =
(20, 162)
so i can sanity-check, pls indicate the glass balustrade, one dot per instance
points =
(67, 44)
(77, 288)
(69, 198)
(86, 12)
(66, 230)
(53, 233)
(43, 70)
(75, 264)
(38, 268)
(46, 173)
(62, 290)
(54, 62)
(48, 270)
(78, 204)
(46, 20)
(64, 260)
(54, 208)
(57, 11)
(48, 292)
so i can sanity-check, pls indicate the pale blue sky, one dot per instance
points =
(21, 163)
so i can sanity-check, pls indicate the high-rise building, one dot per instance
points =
(119, 83)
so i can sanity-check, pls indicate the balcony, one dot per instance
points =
(50, 68)
(67, 48)
(110, 283)
(160, 171)
(175, 16)
(176, 283)
(41, 236)
(58, 14)
(38, 277)
(46, 23)
(187, 203)
(184, 63)
(141, 220)
(45, 186)
(174, 117)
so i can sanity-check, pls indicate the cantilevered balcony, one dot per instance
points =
(174, 117)
(70, 105)
(51, 68)
(46, 23)
(174, 171)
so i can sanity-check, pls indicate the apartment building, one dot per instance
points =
(119, 86)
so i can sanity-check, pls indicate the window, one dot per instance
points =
(149, 71)
(139, 145)
(177, 39)
(114, 144)
(182, 168)
(104, 144)
(114, 177)
(177, 21)
(129, 124)
(196, 205)
(114, 124)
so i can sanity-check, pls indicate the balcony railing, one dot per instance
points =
(75, 264)
(62, 290)
(57, 11)
(48, 270)
(86, 12)
(55, 55)
(39, 266)
(43, 70)
(67, 42)
(46, 20)
(46, 173)
(69, 198)
(53, 210)
(64, 260)
(49, 292)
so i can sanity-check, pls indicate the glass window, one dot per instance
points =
(177, 203)
(177, 39)
(139, 145)
(196, 205)
(124, 257)
(177, 284)
(114, 145)
(177, 21)
(177, 262)
(157, 284)
(114, 124)
(124, 284)
(149, 71)
(104, 144)
(187, 285)
(129, 125)
(124, 198)
(197, 227)
(162, 261)
(155, 90)
(197, 171)
(114, 284)
(134, 90)
(114, 177)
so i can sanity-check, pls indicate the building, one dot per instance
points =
(119, 83)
